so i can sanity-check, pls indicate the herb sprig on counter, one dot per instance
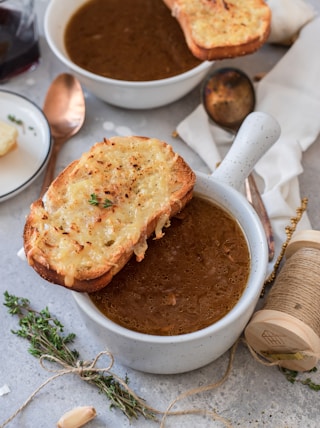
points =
(45, 335)
(292, 377)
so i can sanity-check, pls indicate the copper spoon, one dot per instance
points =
(228, 97)
(64, 108)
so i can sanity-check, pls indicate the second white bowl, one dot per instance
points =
(121, 93)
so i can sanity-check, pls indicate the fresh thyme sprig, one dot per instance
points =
(41, 330)
(45, 334)
(292, 377)
(95, 201)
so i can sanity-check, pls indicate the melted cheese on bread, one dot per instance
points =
(217, 29)
(101, 206)
(229, 23)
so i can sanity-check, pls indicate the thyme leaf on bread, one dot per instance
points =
(45, 335)
(95, 201)
(107, 203)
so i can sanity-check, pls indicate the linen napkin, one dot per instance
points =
(290, 92)
(288, 17)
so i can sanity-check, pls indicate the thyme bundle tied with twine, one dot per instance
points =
(47, 342)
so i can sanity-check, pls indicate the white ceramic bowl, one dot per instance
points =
(177, 354)
(126, 94)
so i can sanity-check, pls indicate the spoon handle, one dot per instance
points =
(254, 197)
(50, 169)
(256, 135)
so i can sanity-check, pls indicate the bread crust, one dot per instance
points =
(219, 29)
(46, 231)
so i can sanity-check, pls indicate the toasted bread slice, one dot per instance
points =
(218, 29)
(102, 208)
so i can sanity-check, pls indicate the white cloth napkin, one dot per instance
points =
(288, 17)
(290, 92)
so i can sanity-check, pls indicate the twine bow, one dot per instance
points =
(82, 368)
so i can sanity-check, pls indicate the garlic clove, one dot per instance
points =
(77, 417)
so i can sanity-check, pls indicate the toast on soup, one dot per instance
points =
(102, 208)
(218, 29)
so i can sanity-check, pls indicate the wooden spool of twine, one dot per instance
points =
(287, 329)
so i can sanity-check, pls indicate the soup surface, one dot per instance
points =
(189, 279)
(133, 40)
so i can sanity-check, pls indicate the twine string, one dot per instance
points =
(82, 368)
(19, 410)
(202, 389)
(290, 229)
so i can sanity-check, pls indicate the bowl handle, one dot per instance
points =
(256, 135)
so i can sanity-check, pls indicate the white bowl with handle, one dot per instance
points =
(186, 352)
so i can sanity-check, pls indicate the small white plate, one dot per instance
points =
(20, 167)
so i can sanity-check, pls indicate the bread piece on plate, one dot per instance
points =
(8, 137)
(102, 208)
(218, 29)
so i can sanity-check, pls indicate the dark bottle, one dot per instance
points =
(19, 47)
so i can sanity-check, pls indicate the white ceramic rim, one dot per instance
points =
(51, 39)
(243, 305)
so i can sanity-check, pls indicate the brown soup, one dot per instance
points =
(135, 40)
(189, 279)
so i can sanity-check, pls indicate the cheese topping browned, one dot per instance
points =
(234, 25)
(218, 29)
(101, 206)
